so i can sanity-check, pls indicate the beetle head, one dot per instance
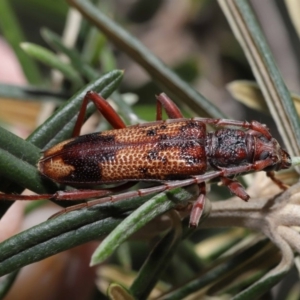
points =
(266, 149)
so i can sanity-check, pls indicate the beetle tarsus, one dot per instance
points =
(198, 207)
(279, 183)
(235, 187)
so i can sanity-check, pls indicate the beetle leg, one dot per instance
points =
(198, 207)
(14, 197)
(170, 107)
(253, 125)
(84, 194)
(235, 187)
(279, 183)
(256, 166)
(72, 195)
(118, 197)
(144, 192)
(103, 107)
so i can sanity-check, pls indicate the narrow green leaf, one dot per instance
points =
(107, 59)
(19, 148)
(187, 253)
(261, 287)
(60, 125)
(6, 283)
(18, 159)
(248, 32)
(94, 43)
(20, 172)
(155, 264)
(30, 93)
(51, 244)
(123, 255)
(49, 58)
(11, 30)
(226, 268)
(169, 81)
(81, 67)
(64, 232)
(151, 209)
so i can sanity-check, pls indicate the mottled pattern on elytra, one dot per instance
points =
(159, 151)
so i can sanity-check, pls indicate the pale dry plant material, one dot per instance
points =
(276, 216)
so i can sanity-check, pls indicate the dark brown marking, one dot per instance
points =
(87, 169)
(86, 161)
(143, 170)
(164, 145)
(90, 139)
(151, 132)
(164, 160)
(163, 137)
(152, 154)
(192, 125)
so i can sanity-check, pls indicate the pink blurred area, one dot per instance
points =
(66, 275)
(62, 276)
(10, 71)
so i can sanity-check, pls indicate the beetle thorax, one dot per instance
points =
(226, 148)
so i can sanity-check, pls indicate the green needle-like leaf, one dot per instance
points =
(155, 264)
(12, 31)
(18, 159)
(168, 80)
(49, 58)
(6, 283)
(83, 68)
(60, 125)
(151, 209)
(248, 32)
(223, 269)
(31, 93)
(17, 170)
(15, 146)
(70, 230)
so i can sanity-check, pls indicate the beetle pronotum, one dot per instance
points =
(176, 152)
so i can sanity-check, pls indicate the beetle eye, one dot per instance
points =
(263, 155)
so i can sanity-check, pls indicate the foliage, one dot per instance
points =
(234, 252)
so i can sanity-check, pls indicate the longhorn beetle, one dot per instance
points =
(176, 152)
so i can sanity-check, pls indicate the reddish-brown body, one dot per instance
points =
(178, 152)
(164, 150)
